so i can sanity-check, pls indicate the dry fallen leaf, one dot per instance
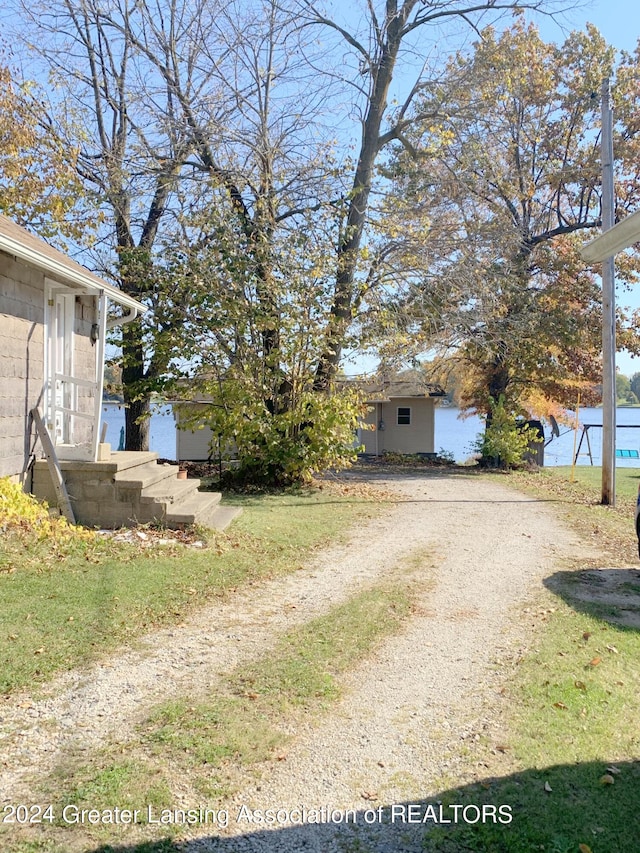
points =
(613, 650)
(613, 770)
(607, 779)
(584, 848)
(586, 635)
(595, 661)
(369, 795)
(502, 747)
(580, 685)
(560, 705)
(548, 787)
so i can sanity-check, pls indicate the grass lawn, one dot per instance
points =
(566, 770)
(66, 602)
(569, 764)
(590, 478)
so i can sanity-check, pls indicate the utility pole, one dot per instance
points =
(608, 310)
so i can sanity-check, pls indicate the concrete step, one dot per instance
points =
(130, 488)
(222, 517)
(122, 460)
(196, 509)
(143, 476)
(169, 490)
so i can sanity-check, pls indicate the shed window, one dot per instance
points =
(404, 416)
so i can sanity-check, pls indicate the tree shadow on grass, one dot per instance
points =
(555, 809)
(610, 594)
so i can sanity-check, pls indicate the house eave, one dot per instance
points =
(65, 271)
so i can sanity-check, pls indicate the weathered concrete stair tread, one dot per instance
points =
(222, 517)
(194, 509)
(145, 475)
(169, 490)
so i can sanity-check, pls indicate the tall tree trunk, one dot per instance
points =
(137, 408)
(137, 421)
(345, 296)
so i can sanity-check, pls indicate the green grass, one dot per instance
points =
(573, 707)
(590, 477)
(571, 722)
(65, 604)
(205, 739)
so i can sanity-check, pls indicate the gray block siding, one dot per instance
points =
(21, 379)
(22, 358)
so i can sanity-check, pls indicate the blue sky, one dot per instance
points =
(617, 20)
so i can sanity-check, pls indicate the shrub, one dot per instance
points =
(505, 441)
(310, 434)
(21, 512)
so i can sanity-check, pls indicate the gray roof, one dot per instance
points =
(381, 390)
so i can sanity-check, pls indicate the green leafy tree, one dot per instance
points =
(634, 384)
(624, 394)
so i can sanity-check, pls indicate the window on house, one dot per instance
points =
(404, 415)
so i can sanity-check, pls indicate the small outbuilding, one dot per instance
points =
(401, 417)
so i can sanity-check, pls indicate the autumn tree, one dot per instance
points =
(187, 149)
(514, 163)
(386, 41)
(130, 154)
(39, 186)
(266, 169)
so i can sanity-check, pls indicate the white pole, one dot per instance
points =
(608, 311)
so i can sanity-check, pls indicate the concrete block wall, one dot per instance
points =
(21, 379)
(22, 360)
(97, 498)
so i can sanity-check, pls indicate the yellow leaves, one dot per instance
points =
(584, 848)
(23, 513)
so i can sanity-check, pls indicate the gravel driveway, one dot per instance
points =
(477, 552)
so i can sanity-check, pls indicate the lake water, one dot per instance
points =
(453, 434)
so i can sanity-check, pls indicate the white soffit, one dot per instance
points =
(623, 234)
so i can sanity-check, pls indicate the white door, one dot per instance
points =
(60, 390)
